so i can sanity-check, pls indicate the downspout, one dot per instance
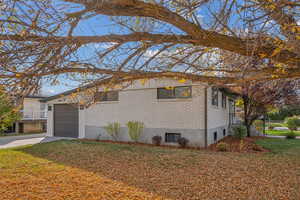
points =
(205, 118)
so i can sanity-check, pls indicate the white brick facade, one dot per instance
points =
(139, 102)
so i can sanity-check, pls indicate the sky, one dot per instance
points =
(98, 25)
(102, 25)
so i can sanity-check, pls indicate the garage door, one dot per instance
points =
(66, 120)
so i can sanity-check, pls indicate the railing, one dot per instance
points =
(33, 115)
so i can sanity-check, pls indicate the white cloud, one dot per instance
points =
(49, 92)
(106, 45)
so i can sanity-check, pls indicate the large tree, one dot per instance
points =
(130, 39)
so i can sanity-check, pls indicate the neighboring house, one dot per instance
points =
(33, 116)
(167, 107)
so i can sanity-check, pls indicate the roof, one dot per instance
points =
(34, 97)
(227, 90)
(88, 86)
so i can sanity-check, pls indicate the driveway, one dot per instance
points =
(15, 141)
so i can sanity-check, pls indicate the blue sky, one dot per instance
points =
(102, 25)
(99, 25)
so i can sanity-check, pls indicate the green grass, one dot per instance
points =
(276, 124)
(283, 146)
(16, 134)
(280, 132)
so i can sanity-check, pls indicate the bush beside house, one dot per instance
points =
(135, 130)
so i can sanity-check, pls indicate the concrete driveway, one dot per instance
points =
(15, 141)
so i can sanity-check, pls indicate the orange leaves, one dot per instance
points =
(79, 170)
(182, 80)
(169, 87)
(18, 75)
(263, 55)
(143, 81)
(276, 51)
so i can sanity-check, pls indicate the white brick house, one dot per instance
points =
(168, 108)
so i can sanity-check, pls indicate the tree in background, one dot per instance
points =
(8, 112)
(260, 97)
(283, 112)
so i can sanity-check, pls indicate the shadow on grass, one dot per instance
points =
(170, 173)
(150, 169)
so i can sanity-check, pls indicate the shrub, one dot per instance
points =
(113, 129)
(222, 146)
(292, 123)
(156, 140)
(135, 129)
(290, 135)
(259, 125)
(183, 142)
(239, 131)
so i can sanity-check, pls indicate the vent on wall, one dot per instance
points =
(215, 136)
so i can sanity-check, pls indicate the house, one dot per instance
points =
(168, 108)
(33, 116)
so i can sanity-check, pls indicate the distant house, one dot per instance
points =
(167, 107)
(33, 116)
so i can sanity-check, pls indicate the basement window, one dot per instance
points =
(107, 96)
(172, 137)
(215, 136)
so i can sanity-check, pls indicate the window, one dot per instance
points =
(224, 99)
(214, 96)
(43, 106)
(163, 93)
(107, 96)
(172, 137)
(224, 132)
(174, 92)
(215, 136)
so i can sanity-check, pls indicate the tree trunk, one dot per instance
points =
(248, 127)
(247, 122)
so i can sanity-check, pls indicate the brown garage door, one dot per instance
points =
(66, 120)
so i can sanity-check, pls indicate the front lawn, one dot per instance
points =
(281, 132)
(284, 146)
(17, 134)
(92, 170)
